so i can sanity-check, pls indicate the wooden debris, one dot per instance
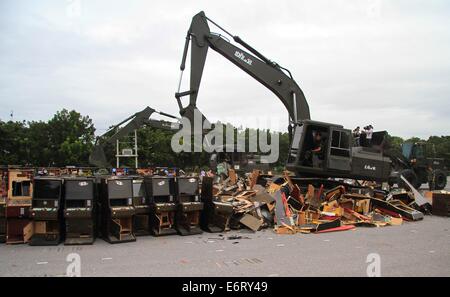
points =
(304, 209)
(251, 222)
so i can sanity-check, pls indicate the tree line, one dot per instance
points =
(68, 138)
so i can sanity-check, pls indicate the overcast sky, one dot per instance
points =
(359, 62)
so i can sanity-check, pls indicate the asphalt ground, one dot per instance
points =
(413, 249)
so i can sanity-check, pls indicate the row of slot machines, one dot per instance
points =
(48, 210)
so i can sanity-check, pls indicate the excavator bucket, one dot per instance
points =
(193, 114)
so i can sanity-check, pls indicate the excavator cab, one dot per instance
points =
(327, 150)
(407, 150)
(420, 165)
(319, 147)
(420, 154)
(415, 152)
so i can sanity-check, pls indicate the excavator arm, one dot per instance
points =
(136, 121)
(268, 73)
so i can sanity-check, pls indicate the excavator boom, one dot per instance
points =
(268, 73)
(137, 120)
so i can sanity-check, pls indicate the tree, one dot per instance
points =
(71, 138)
(67, 139)
(13, 144)
(394, 143)
(37, 144)
(441, 147)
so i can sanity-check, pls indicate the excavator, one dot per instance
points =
(238, 159)
(133, 122)
(339, 157)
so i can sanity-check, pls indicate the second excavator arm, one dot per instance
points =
(137, 120)
(270, 74)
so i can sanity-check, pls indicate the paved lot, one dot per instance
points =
(413, 249)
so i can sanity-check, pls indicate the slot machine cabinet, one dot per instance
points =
(18, 205)
(216, 215)
(160, 190)
(141, 219)
(3, 197)
(46, 211)
(117, 211)
(79, 210)
(189, 206)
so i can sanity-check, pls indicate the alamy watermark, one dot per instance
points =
(222, 138)
(74, 267)
(374, 267)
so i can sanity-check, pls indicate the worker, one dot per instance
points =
(357, 136)
(223, 167)
(369, 133)
(317, 151)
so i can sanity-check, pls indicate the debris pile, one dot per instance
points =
(123, 206)
(236, 201)
(301, 206)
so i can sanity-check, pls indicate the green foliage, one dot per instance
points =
(441, 147)
(40, 152)
(154, 147)
(13, 144)
(68, 137)
(71, 136)
(395, 143)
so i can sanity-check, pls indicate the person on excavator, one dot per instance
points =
(368, 131)
(318, 148)
(314, 154)
(224, 166)
(357, 136)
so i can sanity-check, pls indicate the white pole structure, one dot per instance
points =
(117, 154)
(135, 148)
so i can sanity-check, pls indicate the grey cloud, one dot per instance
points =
(381, 62)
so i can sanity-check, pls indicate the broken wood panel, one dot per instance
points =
(251, 222)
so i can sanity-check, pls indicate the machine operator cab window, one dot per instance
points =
(407, 150)
(340, 150)
(315, 147)
(318, 146)
(340, 143)
(310, 145)
(415, 152)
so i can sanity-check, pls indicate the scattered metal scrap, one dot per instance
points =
(291, 207)
(343, 208)
(235, 202)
